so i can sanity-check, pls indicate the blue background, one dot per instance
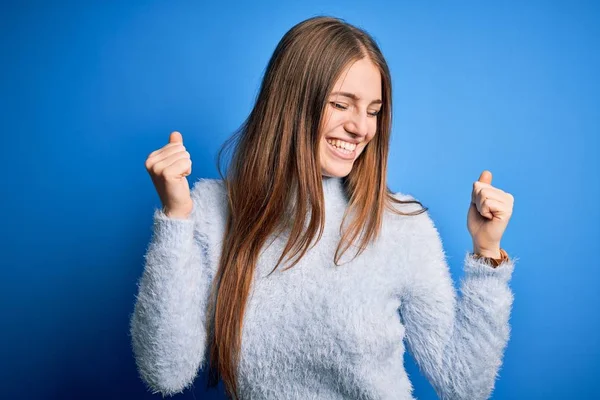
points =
(90, 89)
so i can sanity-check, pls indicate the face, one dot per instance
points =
(350, 117)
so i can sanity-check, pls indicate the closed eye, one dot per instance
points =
(343, 107)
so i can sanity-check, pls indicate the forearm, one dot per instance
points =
(459, 341)
(167, 326)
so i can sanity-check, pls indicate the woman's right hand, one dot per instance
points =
(168, 167)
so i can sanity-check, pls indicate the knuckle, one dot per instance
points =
(155, 170)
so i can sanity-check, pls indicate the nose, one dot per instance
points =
(357, 124)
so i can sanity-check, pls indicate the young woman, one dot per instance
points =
(365, 270)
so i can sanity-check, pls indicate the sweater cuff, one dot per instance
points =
(175, 232)
(479, 267)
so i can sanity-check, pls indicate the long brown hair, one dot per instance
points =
(274, 178)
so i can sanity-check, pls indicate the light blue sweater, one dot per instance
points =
(319, 331)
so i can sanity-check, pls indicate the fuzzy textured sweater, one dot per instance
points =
(317, 330)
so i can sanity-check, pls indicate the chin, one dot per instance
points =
(337, 170)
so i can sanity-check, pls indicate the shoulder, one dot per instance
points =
(411, 215)
(210, 197)
(409, 203)
(407, 206)
(207, 188)
(418, 233)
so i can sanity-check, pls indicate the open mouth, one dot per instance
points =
(340, 152)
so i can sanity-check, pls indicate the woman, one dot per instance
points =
(364, 267)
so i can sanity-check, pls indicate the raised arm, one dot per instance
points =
(457, 342)
(167, 327)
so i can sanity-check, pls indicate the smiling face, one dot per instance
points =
(350, 117)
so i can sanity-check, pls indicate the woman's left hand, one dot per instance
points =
(489, 213)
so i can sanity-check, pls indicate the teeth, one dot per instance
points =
(342, 145)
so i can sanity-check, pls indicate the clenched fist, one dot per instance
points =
(489, 213)
(168, 167)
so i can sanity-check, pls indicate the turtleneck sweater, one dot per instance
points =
(320, 330)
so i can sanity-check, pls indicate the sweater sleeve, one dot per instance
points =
(167, 327)
(457, 341)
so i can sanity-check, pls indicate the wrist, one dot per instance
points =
(181, 211)
(179, 214)
(491, 259)
(488, 254)
(491, 252)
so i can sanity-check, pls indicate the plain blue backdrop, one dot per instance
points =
(90, 89)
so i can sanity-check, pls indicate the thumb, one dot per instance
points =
(486, 177)
(175, 137)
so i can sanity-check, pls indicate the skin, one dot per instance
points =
(350, 119)
(489, 213)
(353, 120)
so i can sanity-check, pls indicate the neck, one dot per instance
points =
(333, 186)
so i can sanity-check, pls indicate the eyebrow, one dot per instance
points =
(355, 97)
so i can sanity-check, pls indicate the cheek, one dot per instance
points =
(370, 137)
(371, 134)
(332, 120)
(367, 141)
